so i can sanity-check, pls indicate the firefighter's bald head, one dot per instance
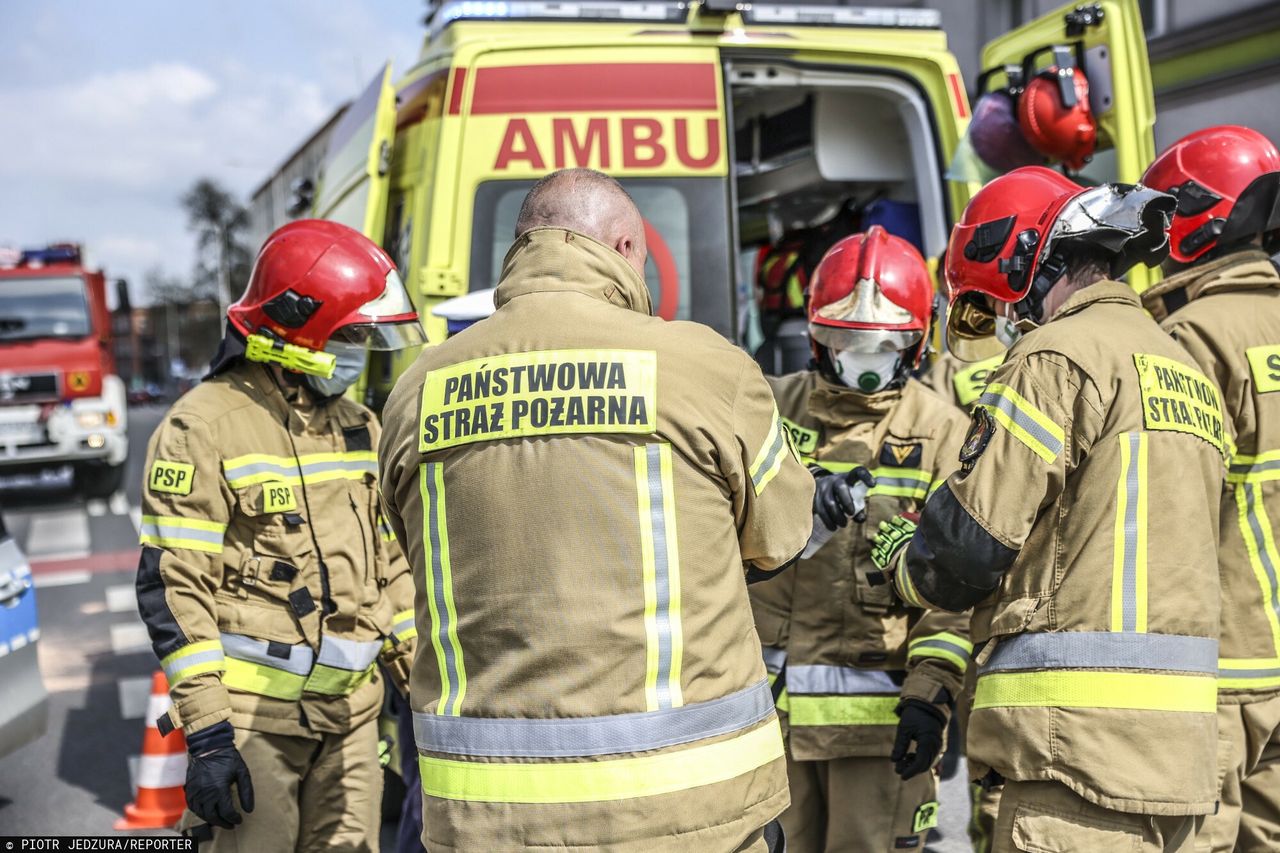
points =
(591, 203)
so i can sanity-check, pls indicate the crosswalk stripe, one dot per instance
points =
(69, 578)
(63, 534)
(122, 598)
(96, 507)
(135, 696)
(129, 638)
(119, 504)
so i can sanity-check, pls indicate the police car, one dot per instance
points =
(25, 709)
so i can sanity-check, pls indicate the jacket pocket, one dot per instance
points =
(1039, 829)
(276, 526)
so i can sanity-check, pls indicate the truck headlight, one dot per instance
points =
(89, 420)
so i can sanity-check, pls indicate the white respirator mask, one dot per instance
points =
(349, 362)
(867, 372)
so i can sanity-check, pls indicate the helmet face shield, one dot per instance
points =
(392, 304)
(865, 341)
(384, 337)
(975, 332)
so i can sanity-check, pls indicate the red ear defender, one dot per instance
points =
(1055, 117)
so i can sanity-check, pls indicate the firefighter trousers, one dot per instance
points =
(309, 794)
(1248, 817)
(1049, 816)
(857, 805)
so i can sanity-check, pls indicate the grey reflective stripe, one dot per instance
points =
(1248, 673)
(774, 657)
(939, 644)
(1256, 468)
(181, 662)
(348, 654)
(1039, 433)
(1129, 579)
(449, 676)
(1255, 514)
(253, 650)
(1104, 650)
(779, 440)
(249, 469)
(311, 468)
(883, 482)
(403, 626)
(841, 680)
(169, 530)
(662, 570)
(585, 736)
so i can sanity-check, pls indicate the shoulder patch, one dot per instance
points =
(902, 455)
(804, 440)
(969, 382)
(1264, 364)
(981, 428)
(174, 478)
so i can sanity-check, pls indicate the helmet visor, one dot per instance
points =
(975, 332)
(385, 337)
(866, 341)
(392, 304)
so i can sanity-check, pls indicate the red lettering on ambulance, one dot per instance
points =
(642, 133)
(518, 131)
(686, 157)
(596, 136)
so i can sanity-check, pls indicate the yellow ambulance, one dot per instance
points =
(731, 124)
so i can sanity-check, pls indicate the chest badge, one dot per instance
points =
(981, 428)
(902, 455)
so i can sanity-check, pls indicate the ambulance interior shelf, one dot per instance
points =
(817, 151)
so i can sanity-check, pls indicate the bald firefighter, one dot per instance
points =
(1221, 300)
(870, 684)
(268, 580)
(1081, 527)
(584, 491)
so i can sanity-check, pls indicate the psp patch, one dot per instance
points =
(981, 428)
(902, 455)
(804, 440)
(926, 817)
(278, 497)
(174, 478)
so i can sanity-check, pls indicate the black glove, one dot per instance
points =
(213, 765)
(835, 499)
(923, 724)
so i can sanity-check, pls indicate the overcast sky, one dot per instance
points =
(111, 110)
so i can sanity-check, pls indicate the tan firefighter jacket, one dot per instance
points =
(1083, 528)
(269, 590)
(582, 488)
(852, 650)
(1231, 326)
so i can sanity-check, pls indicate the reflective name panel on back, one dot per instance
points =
(1264, 364)
(1179, 398)
(549, 392)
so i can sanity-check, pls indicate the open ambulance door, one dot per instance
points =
(356, 180)
(1106, 41)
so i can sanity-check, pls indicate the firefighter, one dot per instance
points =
(1081, 527)
(585, 491)
(1222, 302)
(269, 581)
(870, 684)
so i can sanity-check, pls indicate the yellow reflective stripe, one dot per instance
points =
(905, 586)
(768, 461)
(946, 637)
(332, 681)
(901, 482)
(193, 534)
(660, 567)
(1248, 673)
(262, 680)
(193, 659)
(254, 468)
(1255, 527)
(1129, 548)
(1260, 468)
(784, 700)
(808, 710)
(958, 661)
(945, 645)
(1024, 421)
(602, 781)
(403, 625)
(439, 575)
(1090, 689)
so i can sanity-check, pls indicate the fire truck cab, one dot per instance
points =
(734, 126)
(61, 402)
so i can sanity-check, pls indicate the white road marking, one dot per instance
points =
(96, 507)
(69, 578)
(135, 515)
(135, 697)
(134, 761)
(122, 598)
(129, 638)
(62, 534)
(119, 504)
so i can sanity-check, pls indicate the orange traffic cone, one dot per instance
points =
(162, 771)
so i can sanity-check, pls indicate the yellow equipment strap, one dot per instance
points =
(602, 781)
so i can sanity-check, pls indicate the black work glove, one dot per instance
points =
(836, 497)
(922, 724)
(213, 765)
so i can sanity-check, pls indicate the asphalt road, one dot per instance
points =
(97, 663)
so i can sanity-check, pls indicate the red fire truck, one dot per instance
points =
(61, 402)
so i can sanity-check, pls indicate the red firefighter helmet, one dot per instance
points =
(1227, 182)
(1054, 114)
(871, 293)
(1017, 235)
(314, 278)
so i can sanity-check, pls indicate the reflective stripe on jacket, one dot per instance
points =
(241, 488)
(854, 652)
(1083, 526)
(581, 488)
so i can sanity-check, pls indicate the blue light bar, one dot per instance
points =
(62, 253)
